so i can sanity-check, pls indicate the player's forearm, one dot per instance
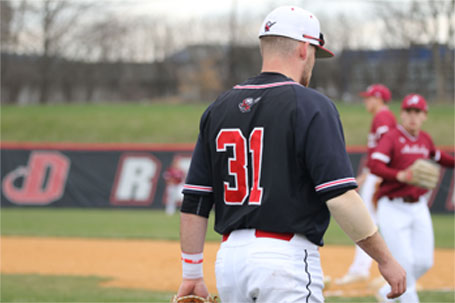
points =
(351, 214)
(192, 233)
(376, 248)
(380, 169)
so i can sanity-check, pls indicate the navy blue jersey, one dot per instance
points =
(270, 152)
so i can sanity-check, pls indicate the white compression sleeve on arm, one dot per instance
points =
(352, 215)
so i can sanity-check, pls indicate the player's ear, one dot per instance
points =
(303, 50)
(425, 115)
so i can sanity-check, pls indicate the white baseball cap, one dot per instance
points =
(295, 23)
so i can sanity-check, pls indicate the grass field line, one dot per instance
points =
(154, 264)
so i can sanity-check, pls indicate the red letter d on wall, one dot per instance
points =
(44, 179)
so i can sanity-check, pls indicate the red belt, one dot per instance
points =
(266, 234)
(407, 199)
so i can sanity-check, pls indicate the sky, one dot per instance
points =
(208, 8)
(207, 21)
(250, 12)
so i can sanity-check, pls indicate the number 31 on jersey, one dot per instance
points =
(239, 162)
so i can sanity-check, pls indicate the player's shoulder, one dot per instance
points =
(384, 116)
(385, 113)
(392, 134)
(426, 136)
(311, 99)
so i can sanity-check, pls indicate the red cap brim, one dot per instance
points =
(364, 94)
(323, 52)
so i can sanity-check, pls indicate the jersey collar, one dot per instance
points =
(406, 133)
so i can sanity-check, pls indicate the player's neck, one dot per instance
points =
(412, 132)
(278, 66)
(379, 108)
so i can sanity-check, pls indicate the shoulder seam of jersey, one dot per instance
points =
(265, 86)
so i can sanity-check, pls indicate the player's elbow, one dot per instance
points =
(375, 167)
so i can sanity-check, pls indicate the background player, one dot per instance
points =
(271, 158)
(403, 215)
(174, 177)
(376, 98)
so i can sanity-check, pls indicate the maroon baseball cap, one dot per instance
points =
(414, 101)
(377, 90)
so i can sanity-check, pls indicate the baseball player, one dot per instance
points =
(174, 177)
(271, 159)
(376, 98)
(403, 214)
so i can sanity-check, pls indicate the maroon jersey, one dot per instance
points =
(396, 151)
(174, 175)
(383, 122)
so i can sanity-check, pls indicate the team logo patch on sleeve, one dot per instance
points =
(246, 104)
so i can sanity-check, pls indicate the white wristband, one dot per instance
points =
(192, 266)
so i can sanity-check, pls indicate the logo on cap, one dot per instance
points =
(268, 25)
(414, 100)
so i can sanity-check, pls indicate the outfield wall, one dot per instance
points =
(121, 175)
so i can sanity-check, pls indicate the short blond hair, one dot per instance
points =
(277, 45)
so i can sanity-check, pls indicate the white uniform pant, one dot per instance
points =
(408, 232)
(174, 197)
(267, 270)
(362, 261)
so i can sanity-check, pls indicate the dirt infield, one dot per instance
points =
(154, 265)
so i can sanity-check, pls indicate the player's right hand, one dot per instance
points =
(395, 275)
(193, 287)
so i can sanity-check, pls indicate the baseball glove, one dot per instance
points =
(423, 173)
(194, 299)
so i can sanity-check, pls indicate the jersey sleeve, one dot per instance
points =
(381, 157)
(384, 150)
(440, 156)
(199, 178)
(382, 124)
(323, 149)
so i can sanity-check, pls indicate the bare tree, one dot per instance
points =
(12, 24)
(44, 28)
(422, 22)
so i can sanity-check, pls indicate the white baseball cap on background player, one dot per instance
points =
(295, 23)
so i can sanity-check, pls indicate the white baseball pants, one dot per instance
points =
(408, 231)
(266, 270)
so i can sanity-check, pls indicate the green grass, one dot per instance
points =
(146, 224)
(155, 123)
(93, 223)
(167, 123)
(38, 288)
